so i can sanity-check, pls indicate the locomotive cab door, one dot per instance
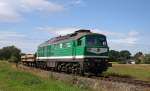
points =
(79, 48)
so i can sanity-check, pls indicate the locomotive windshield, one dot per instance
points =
(96, 41)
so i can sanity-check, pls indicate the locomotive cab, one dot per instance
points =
(95, 53)
(96, 45)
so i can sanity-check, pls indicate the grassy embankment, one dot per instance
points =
(136, 71)
(12, 79)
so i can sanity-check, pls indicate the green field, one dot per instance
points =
(136, 71)
(12, 79)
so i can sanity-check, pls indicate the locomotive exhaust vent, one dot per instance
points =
(83, 31)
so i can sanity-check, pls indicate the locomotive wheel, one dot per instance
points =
(59, 68)
(63, 67)
(76, 68)
(68, 68)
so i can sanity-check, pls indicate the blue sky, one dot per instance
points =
(27, 23)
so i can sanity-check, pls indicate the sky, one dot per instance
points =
(28, 23)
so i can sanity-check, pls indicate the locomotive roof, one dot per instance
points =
(72, 36)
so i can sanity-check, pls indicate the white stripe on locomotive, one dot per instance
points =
(69, 57)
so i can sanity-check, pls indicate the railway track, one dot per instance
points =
(111, 79)
(126, 80)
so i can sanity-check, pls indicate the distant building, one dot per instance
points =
(130, 61)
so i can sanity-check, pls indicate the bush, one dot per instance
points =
(10, 53)
(13, 59)
(146, 59)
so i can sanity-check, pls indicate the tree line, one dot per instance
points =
(13, 54)
(124, 56)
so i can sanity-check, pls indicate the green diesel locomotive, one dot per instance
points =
(80, 52)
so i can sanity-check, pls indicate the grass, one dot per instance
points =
(136, 71)
(12, 79)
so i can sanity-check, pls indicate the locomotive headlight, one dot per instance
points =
(98, 49)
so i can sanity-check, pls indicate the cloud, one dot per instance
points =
(41, 5)
(129, 39)
(77, 2)
(22, 41)
(7, 12)
(9, 38)
(57, 31)
(9, 35)
(14, 9)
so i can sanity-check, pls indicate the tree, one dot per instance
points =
(114, 55)
(138, 57)
(10, 52)
(125, 55)
(146, 59)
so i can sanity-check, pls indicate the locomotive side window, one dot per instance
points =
(61, 45)
(79, 42)
(102, 42)
(64, 45)
(68, 44)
